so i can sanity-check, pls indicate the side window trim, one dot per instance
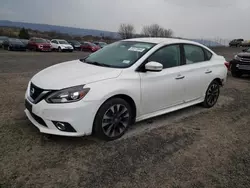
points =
(141, 68)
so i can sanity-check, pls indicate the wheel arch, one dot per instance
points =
(218, 80)
(125, 97)
(128, 99)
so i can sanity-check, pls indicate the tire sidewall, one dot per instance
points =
(97, 127)
(205, 103)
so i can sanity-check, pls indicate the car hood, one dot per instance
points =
(65, 45)
(44, 44)
(244, 54)
(72, 73)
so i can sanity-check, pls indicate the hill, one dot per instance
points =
(60, 29)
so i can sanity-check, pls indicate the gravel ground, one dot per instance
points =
(194, 147)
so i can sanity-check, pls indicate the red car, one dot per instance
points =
(39, 44)
(90, 47)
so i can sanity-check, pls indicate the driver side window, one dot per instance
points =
(168, 56)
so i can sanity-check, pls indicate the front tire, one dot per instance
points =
(113, 119)
(212, 94)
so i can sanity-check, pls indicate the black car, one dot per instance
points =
(236, 42)
(241, 63)
(13, 44)
(76, 45)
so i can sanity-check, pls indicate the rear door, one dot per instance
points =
(197, 70)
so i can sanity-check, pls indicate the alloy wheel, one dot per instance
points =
(115, 120)
(213, 94)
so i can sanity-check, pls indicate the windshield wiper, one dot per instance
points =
(97, 63)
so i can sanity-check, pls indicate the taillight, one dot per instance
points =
(227, 64)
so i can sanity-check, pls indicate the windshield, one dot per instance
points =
(75, 42)
(120, 54)
(92, 44)
(16, 41)
(102, 44)
(63, 42)
(40, 41)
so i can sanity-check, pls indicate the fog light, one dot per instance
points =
(61, 126)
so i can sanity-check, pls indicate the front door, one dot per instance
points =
(160, 90)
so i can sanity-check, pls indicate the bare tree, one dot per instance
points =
(156, 30)
(126, 31)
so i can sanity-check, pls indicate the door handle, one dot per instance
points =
(179, 77)
(208, 72)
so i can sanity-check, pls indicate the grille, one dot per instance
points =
(38, 119)
(245, 59)
(35, 91)
(244, 67)
(46, 47)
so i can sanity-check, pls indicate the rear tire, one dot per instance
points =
(113, 119)
(212, 94)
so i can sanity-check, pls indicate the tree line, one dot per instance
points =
(127, 31)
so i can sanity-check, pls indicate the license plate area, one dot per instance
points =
(244, 67)
(28, 105)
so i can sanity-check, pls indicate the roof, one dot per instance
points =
(161, 40)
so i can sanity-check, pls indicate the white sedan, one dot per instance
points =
(125, 82)
(61, 45)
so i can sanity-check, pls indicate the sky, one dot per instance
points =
(224, 19)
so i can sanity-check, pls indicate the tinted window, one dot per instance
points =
(194, 54)
(40, 41)
(168, 56)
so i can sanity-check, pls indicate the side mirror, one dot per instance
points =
(153, 66)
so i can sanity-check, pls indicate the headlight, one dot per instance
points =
(68, 95)
(236, 57)
(40, 46)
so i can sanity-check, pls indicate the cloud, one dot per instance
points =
(188, 18)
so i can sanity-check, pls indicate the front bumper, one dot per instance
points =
(45, 49)
(80, 115)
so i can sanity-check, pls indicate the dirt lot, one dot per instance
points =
(194, 147)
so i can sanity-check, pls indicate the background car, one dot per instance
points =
(236, 42)
(241, 63)
(25, 42)
(89, 47)
(2, 39)
(129, 81)
(61, 45)
(13, 44)
(100, 44)
(76, 45)
(39, 44)
(245, 43)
